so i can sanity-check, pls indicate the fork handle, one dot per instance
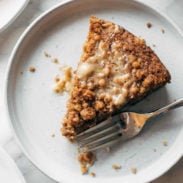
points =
(174, 105)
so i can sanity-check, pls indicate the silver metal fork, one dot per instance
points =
(122, 127)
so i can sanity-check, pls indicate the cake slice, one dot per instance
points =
(116, 69)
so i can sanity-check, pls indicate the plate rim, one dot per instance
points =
(161, 171)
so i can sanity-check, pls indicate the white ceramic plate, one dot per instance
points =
(9, 10)
(8, 170)
(35, 111)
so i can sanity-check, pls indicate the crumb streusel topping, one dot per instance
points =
(116, 68)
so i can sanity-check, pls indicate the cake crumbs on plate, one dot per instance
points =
(154, 45)
(163, 31)
(53, 135)
(21, 72)
(32, 69)
(149, 25)
(134, 170)
(86, 160)
(116, 167)
(57, 79)
(47, 54)
(154, 150)
(165, 143)
(55, 60)
(93, 174)
(64, 83)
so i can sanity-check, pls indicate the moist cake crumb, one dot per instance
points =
(32, 69)
(86, 161)
(116, 167)
(57, 79)
(55, 60)
(163, 31)
(165, 143)
(134, 170)
(113, 71)
(149, 25)
(93, 174)
(47, 54)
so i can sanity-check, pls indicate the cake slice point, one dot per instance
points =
(116, 68)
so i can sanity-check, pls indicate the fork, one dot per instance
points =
(121, 127)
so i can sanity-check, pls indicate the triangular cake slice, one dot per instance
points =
(116, 68)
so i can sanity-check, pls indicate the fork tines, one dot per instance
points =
(101, 135)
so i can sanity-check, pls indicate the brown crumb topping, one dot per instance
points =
(86, 161)
(134, 170)
(55, 60)
(32, 69)
(57, 79)
(46, 54)
(149, 25)
(116, 167)
(93, 174)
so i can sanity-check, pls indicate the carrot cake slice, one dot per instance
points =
(116, 68)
